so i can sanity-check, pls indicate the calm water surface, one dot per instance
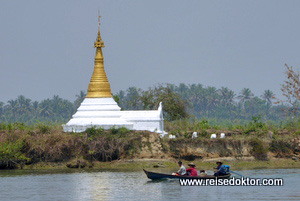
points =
(113, 185)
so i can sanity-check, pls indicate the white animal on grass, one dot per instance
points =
(172, 136)
(213, 136)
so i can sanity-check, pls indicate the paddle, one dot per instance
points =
(236, 173)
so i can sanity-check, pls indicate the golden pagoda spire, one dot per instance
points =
(99, 86)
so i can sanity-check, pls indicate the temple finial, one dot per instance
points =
(99, 42)
(99, 19)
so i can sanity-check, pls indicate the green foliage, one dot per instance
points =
(116, 98)
(114, 130)
(94, 132)
(203, 124)
(259, 149)
(120, 131)
(20, 143)
(42, 128)
(11, 154)
(174, 107)
(79, 98)
(179, 102)
(24, 110)
(223, 104)
(2, 126)
(20, 126)
(256, 125)
(14, 126)
(203, 133)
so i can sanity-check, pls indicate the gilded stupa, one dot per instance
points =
(99, 86)
(99, 109)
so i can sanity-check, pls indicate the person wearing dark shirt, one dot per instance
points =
(220, 169)
(192, 170)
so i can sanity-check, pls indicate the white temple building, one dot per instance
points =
(99, 109)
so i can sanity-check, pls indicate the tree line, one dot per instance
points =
(179, 101)
(204, 102)
(198, 101)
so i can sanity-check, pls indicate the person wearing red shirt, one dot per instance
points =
(192, 170)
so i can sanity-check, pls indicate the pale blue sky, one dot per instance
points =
(46, 48)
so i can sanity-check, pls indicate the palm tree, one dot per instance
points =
(230, 96)
(268, 95)
(23, 105)
(56, 104)
(13, 104)
(245, 95)
(211, 99)
(45, 109)
(35, 106)
(79, 98)
(226, 95)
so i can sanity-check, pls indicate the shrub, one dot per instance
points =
(114, 130)
(203, 124)
(259, 149)
(281, 147)
(93, 131)
(11, 154)
(119, 131)
(2, 126)
(203, 133)
(42, 128)
(123, 131)
(20, 126)
(256, 125)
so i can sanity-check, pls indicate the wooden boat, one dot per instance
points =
(155, 175)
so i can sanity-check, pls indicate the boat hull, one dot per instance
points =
(155, 176)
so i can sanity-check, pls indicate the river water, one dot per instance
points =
(119, 185)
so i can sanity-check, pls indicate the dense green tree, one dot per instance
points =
(174, 107)
(146, 99)
(136, 99)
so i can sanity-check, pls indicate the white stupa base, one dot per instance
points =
(105, 113)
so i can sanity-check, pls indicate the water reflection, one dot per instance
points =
(104, 185)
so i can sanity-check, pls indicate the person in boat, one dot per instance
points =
(203, 173)
(181, 171)
(220, 169)
(192, 170)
